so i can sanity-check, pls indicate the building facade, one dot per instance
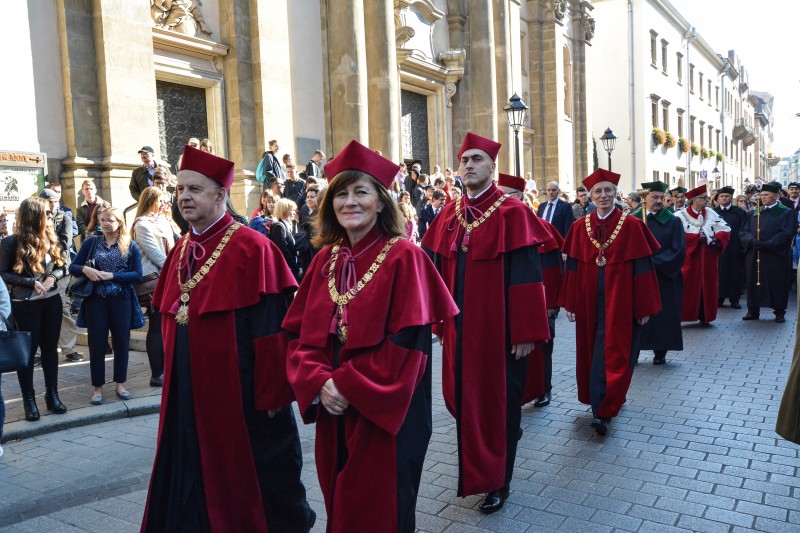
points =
(99, 79)
(682, 113)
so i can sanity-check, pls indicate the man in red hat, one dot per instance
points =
(610, 289)
(707, 235)
(228, 455)
(538, 383)
(484, 245)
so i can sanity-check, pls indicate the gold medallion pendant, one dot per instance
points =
(600, 260)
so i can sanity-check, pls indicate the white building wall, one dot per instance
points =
(33, 110)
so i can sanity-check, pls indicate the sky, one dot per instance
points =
(761, 33)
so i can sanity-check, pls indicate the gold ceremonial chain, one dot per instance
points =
(182, 317)
(601, 258)
(342, 300)
(472, 225)
(691, 220)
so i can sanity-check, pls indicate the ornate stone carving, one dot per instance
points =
(453, 61)
(589, 31)
(555, 8)
(560, 9)
(181, 16)
(403, 34)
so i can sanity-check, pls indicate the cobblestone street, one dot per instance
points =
(694, 449)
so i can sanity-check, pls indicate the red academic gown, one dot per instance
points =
(369, 461)
(552, 275)
(249, 270)
(701, 268)
(630, 289)
(498, 286)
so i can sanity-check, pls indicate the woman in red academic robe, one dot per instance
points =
(360, 347)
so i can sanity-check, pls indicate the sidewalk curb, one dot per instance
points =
(83, 416)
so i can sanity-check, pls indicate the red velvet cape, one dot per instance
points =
(701, 275)
(250, 266)
(552, 275)
(491, 309)
(376, 376)
(627, 297)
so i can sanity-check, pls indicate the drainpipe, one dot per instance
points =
(632, 96)
(691, 35)
(722, 121)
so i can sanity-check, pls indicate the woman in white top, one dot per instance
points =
(153, 233)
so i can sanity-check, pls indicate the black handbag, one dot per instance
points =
(15, 348)
(81, 287)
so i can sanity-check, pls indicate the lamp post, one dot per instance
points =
(516, 110)
(715, 176)
(609, 142)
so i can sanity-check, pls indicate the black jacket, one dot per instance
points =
(21, 285)
(562, 219)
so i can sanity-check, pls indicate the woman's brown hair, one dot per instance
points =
(150, 196)
(35, 237)
(263, 210)
(329, 231)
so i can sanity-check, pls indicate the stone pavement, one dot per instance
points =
(694, 449)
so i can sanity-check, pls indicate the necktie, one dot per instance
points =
(650, 215)
(548, 212)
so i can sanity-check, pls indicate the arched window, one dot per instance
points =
(567, 82)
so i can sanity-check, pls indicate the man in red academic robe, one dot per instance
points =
(610, 288)
(484, 245)
(707, 235)
(538, 382)
(228, 456)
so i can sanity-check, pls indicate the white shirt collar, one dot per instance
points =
(471, 197)
(603, 217)
(771, 206)
(210, 225)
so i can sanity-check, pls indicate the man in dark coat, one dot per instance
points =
(228, 456)
(766, 236)
(678, 198)
(494, 275)
(731, 264)
(555, 210)
(662, 332)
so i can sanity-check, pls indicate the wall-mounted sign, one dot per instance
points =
(21, 175)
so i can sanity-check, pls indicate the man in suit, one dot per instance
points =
(430, 211)
(556, 211)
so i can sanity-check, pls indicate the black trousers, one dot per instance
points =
(112, 313)
(42, 318)
(154, 342)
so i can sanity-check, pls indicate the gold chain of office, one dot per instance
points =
(182, 317)
(474, 224)
(601, 258)
(343, 299)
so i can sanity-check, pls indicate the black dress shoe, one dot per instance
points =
(600, 425)
(157, 381)
(542, 400)
(660, 359)
(750, 316)
(736, 305)
(494, 501)
(74, 357)
(780, 319)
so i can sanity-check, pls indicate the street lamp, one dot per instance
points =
(715, 175)
(516, 110)
(609, 141)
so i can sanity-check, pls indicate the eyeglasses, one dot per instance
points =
(48, 213)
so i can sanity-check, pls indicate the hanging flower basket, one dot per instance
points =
(670, 140)
(719, 156)
(706, 153)
(695, 149)
(659, 137)
(683, 144)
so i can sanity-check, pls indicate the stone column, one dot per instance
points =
(345, 80)
(481, 69)
(503, 83)
(127, 91)
(81, 98)
(544, 90)
(383, 79)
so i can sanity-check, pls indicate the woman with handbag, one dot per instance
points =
(31, 263)
(112, 304)
(5, 310)
(153, 233)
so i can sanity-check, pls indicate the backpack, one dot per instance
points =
(260, 176)
(261, 225)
